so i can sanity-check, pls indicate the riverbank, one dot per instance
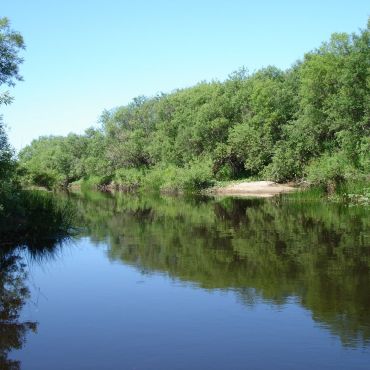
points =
(354, 192)
(261, 189)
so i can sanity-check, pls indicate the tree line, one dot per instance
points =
(309, 122)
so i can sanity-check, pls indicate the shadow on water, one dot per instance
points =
(35, 228)
(272, 250)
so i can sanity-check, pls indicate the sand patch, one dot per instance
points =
(255, 189)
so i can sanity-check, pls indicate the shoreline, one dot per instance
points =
(260, 189)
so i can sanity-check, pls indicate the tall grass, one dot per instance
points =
(37, 219)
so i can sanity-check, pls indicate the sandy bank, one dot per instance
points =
(254, 189)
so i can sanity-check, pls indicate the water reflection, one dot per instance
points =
(13, 295)
(279, 251)
(272, 250)
(34, 232)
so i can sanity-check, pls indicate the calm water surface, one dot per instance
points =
(190, 283)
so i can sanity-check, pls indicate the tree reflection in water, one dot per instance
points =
(264, 250)
(13, 296)
(272, 251)
(36, 225)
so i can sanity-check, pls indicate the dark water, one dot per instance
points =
(176, 283)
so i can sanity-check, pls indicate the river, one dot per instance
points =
(160, 282)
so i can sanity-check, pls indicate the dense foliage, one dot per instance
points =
(308, 122)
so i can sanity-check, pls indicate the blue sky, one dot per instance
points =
(85, 56)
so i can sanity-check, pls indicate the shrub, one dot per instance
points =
(285, 166)
(194, 177)
(128, 178)
(163, 178)
(198, 175)
(95, 182)
(330, 170)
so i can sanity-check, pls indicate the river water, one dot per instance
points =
(155, 282)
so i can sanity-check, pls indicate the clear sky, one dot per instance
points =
(84, 56)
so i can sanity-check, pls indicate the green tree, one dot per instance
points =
(11, 43)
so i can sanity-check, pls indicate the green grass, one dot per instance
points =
(349, 192)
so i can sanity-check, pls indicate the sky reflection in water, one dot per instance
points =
(176, 283)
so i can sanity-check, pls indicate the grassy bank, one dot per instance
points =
(197, 181)
(193, 178)
(355, 192)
